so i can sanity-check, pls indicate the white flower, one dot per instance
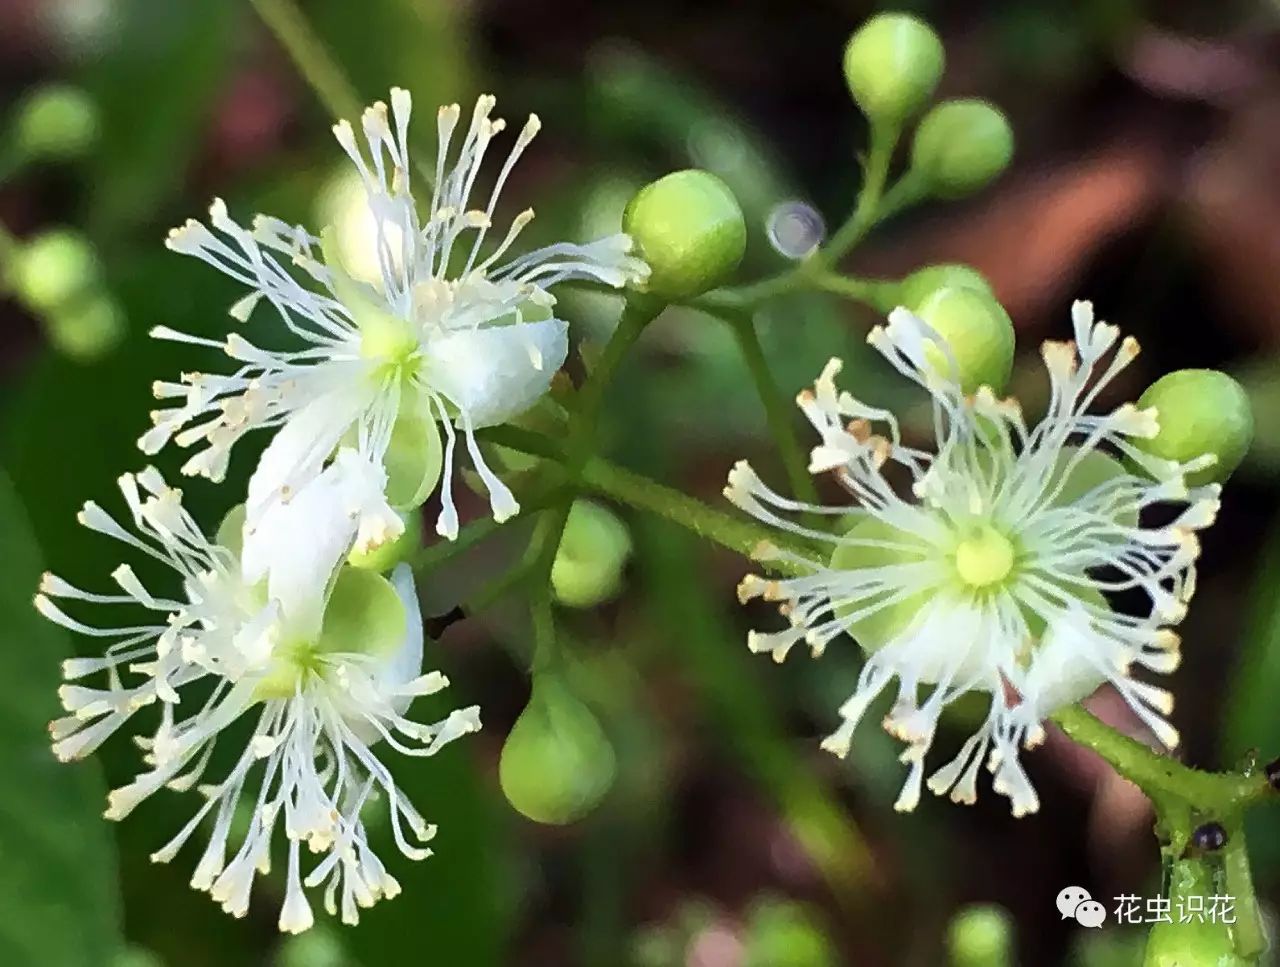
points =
(225, 648)
(454, 330)
(992, 578)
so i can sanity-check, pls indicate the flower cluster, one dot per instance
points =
(992, 574)
(267, 623)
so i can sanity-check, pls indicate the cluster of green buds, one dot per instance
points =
(892, 65)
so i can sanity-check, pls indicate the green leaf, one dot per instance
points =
(58, 882)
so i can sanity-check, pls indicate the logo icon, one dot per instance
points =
(1075, 903)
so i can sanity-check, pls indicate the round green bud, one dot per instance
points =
(978, 332)
(593, 552)
(86, 329)
(922, 283)
(318, 947)
(54, 268)
(783, 934)
(55, 121)
(386, 556)
(961, 146)
(980, 935)
(892, 64)
(557, 764)
(133, 956)
(1199, 411)
(689, 228)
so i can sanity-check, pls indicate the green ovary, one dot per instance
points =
(984, 558)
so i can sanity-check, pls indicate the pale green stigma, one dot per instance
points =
(984, 558)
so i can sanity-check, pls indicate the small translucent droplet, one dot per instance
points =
(795, 229)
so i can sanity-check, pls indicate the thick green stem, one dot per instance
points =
(1248, 933)
(1159, 776)
(777, 410)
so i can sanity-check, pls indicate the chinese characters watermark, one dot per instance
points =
(1075, 903)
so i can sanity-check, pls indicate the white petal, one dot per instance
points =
(498, 373)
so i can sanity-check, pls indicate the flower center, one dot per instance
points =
(985, 557)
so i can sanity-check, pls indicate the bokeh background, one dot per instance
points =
(1147, 178)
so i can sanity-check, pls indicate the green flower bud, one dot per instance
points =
(133, 956)
(980, 935)
(55, 267)
(318, 947)
(892, 64)
(783, 934)
(593, 552)
(55, 121)
(86, 329)
(961, 146)
(922, 283)
(386, 556)
(557, 764)
(978, 332)
(1200, 411)
(689, 229)
(1195, 942)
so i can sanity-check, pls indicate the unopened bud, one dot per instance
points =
(892, 65)
(689, 228)
(55, 121)
(786, 934)
(593, 552)
(978, 333)
(961, 146)
(54, 268)
(980, 935)
(922, 283)
(1200, 411)
(557, 764)
(86, 329)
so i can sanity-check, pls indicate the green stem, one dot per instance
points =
(308, 53)
(632, 489)
(321, 70)
(1221, 794)
(1248, 933)
(778, 413)
(867, 210)
(637, 312)
(879, 294)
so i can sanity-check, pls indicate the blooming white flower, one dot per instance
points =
(453, 333)
(325, 667)
(991, 577)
